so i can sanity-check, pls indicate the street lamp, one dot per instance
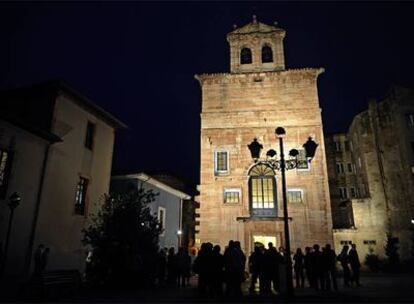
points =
(179, 233)
(282, 165)
(14, 201)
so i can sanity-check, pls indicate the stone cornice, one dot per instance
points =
(256, 76)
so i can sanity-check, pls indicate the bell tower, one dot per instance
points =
(256, 47)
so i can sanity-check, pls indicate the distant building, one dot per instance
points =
(240, 200)
(56, 152)
(371, 176)
(167, 206)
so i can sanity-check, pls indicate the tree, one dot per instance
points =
(123, 236)
(391, 251)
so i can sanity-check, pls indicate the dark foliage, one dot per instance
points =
(391, 251)
(123, 236)
(372, 261)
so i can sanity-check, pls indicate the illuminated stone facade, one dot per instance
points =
(371, 176)
(257, 96)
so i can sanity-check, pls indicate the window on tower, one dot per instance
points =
(245, 56)
(267, 54)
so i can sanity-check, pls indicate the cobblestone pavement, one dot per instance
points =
(375, 289)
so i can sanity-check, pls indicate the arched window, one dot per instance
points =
(262, 190)
(245, 56)
(267, 54)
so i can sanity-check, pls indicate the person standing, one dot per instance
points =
(317, 267)
(330, 268)
(344, 260)
(307, 266)
(298, 259)
(255, 264)
(217, 272)
(355, 265)
(38, 259)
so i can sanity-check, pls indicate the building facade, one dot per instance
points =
(56, 148)
(371, 173)
(238, 199)
(167, 206)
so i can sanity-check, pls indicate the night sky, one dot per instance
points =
(137, 60)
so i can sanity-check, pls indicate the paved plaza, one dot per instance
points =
(379, 288)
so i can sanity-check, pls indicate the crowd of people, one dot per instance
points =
(222, 274)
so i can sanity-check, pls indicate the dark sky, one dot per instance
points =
(137, 60)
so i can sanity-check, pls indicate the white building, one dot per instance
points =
(167, 206)
(56, 153)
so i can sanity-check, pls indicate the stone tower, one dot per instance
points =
(238, 199)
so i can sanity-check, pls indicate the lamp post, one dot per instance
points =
(282, 165)
(14, 201)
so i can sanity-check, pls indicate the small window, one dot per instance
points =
(346, 242)
(350, 168)
(346, 144)
(410, 120)
(5, 168)
(267, 54)
(340, 168)
(338, 146)
(343, 192)
(354, 193)
(370, 242)
(221, 162)
(90, 135)
(161, 219)
(295, 196)
(232, 196)
(303, 163)
(245, 56)
(81, 191)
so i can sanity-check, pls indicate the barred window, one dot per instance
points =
(295, 195)
(343, 192)
(231, 196)
(350, 168)
(90, 135)
(221, 162)
(81, 190)
(340, 168)
(5, 168)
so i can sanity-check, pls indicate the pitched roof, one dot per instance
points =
(34, 104)
(155, 182)
(256, 27)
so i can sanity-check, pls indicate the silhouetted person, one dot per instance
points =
(183, 262)
(44, 259)
(355, 264)
(234, 260)
(201, 267)
(161, 266)
(171, 266)
(308, 266)
(298, 267)
(329, 261)
(273, 260)
(217, 274)
(343, 258)
(317, 267)
(38, 259)
(255, 264)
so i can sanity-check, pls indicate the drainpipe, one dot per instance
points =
(29, 251)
